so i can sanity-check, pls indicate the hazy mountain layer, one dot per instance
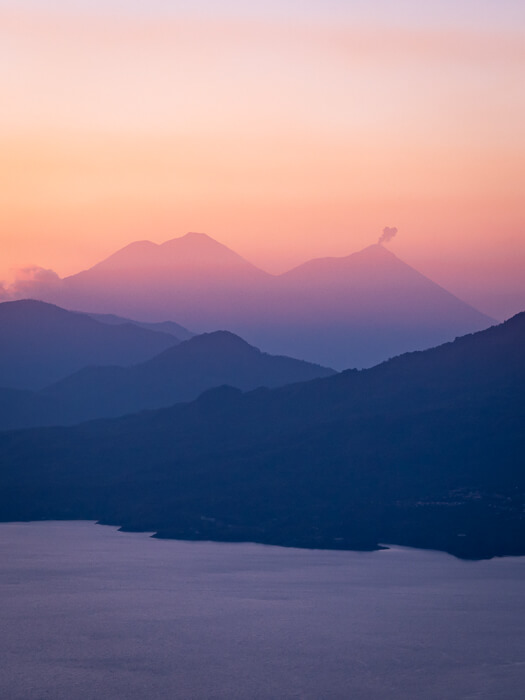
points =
(169, 327)
(180, 373)
(41, 343)
(340, 312)
(424, 450)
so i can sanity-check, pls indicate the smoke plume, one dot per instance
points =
(387, 235)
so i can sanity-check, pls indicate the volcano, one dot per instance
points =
(353, 311)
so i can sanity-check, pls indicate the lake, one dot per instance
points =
(88, 612)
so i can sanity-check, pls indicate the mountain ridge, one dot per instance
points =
(169, 327)
(423, 450)
(193, 248)
(42, 342)
(353, 311)
(178, 373)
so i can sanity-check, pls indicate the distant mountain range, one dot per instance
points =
(180, 373)
(345, 312)
(169, 327)
(423, 450)
(42, 343)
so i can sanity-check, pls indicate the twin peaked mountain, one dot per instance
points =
(345, 312)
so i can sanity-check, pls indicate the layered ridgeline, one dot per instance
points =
(345, 312)
(169, 327)
(42, 343)
(180, 373)
(424, 450)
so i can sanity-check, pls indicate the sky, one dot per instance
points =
(286, 130)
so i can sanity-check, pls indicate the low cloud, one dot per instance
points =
(32, 282)
(387, 235)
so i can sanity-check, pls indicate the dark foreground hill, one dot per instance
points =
(180, 373)
(424, 450)
(41, 343)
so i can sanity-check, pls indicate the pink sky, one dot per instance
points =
(284, 136)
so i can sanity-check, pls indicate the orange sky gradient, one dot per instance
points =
(283, 138)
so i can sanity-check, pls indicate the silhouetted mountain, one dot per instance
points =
(180, 373)
(372, 306)
(190, 253)
(341, 312)
(169, 327)
(424, 450)
(42, 343)
(193, 275)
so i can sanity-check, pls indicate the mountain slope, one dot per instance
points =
(191, 252)
(169, 327)
(42, 343)
(370, 306)
(424, 450)
(340, 312)
(192, 277)
(180, 373)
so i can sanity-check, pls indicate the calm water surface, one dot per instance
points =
(88, 612)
